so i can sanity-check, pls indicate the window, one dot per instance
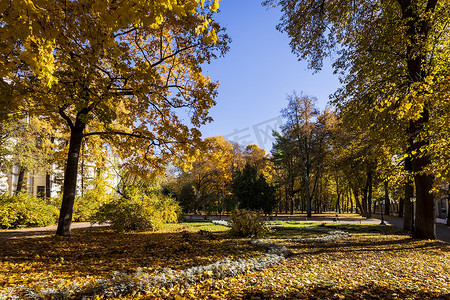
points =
(40, 191)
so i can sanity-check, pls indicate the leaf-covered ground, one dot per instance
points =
(97, 252)
(373, 262)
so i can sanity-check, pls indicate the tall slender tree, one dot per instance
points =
(284, 161)
(300, 115)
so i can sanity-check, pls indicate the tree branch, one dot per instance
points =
(172, 55)
(134, 135)
(66, 117)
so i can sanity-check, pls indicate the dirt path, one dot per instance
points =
(25, 233)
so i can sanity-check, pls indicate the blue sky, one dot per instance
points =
(257, 74)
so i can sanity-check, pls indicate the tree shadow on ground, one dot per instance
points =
(101, 251)
(363, 228)
(10, 235)
(352, 245)
(358, 292)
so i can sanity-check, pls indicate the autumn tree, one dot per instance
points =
(285, 170)
(24, 144)
(123, 71)
(391, 54)
(259, 159)
(206, 183)
(302, 128)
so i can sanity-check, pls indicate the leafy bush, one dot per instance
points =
(137, 210)
(168, 208)
(87, 206)
(23, 210)
(246, 223)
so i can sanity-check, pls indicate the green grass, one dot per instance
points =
(295, 224)
(198, 225)
(194, 227)
(361, 228)
(289, 233)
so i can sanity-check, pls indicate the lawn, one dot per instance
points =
(372, 262)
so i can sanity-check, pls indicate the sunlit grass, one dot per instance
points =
(278, 234)
(194, 227)
(325, 215)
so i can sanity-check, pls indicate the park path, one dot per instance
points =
(442, 231)
(24, 233)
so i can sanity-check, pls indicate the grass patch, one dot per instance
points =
(280, 234)
(194, 227)
(294, 224)
(351, 228)
(325, 215)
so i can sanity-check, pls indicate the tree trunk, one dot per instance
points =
(351, 201)
(339, 203)
(70, 179)
(307, 192)
(409, 192)
(292, 204)
(48, 182)
(20, 180)
(407, 213)
(425, 210)
(369, 196)
(448, 206)
(425, 227)
(291, 196)
(314, 191)
(365, 202)
(358, 203)
(48, 186)
(401, 204)
(338, 206)
(417, 32)
(387, 201)
(286, 200)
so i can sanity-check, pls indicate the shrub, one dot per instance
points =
(168, 208)
(246, 223)
(23, 210)
(136, 210)
(87, 206)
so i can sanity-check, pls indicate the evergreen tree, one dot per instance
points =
(252, 191)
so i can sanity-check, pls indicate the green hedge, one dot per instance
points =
(23, 210)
